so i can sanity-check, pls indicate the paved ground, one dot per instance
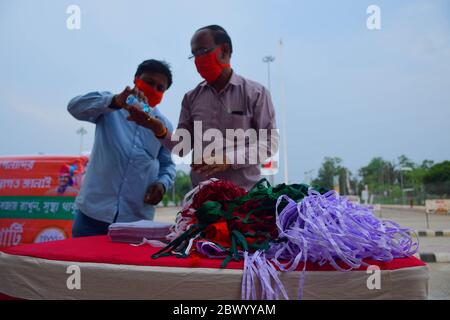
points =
(416, 219)
(434, 244)
(166, 214)
(439, 283)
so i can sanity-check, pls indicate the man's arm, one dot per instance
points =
(91, 106)
(167, 171)
(185, 125)
(168, 138)
(166, 176)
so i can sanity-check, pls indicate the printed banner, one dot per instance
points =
(37, 197)
(41, 175)
(60, 208)
(20, 231)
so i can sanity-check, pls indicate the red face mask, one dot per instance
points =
(153, 96)
(209, 66)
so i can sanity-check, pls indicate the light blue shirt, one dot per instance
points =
(125, 160)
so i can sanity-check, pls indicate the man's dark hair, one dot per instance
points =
(155, 66)
(220, 35)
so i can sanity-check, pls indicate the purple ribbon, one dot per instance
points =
(258, 266)
(211, 249)
(326, 229)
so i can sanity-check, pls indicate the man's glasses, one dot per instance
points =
(201, 52)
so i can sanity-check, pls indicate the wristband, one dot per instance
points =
(163, 134)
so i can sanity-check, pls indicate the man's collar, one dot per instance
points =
(235, 80)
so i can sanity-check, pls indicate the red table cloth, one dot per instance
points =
(120, 271)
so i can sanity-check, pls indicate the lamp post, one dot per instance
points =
(269, 60)
(283, 116)
(81, 131)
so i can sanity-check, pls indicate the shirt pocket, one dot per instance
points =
(236, 117)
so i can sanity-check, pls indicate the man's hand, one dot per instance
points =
(155, 193)
(211, 169)
(144, 120)
(119, 100)
(136, 114)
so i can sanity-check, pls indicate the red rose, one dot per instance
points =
(218, 232)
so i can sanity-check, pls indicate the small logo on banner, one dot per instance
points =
(50, 234)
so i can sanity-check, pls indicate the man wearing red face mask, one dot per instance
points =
(129, 170)
(224, 100)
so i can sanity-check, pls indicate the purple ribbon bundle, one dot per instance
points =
(256, 266)
(329, 228)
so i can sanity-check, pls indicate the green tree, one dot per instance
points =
(427, 164)
(333, 172)
(181, 186)
(331, 167)
(378, 175)
(405, 162)
(437, 179)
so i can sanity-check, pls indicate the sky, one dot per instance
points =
(349, 91)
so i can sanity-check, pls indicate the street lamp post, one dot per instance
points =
(269, 60)
(81, 131)
(283, 115)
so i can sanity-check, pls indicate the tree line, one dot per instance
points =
(388, 181)
(398, 181)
